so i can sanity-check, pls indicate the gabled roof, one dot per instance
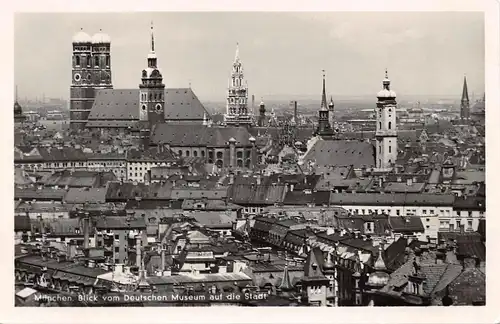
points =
(123, 105)
(341, 153)
(315, 258)
(183, 104)
(84, 195)
(257, 194)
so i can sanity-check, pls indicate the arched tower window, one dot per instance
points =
(96, 60)
(380, 125)
(77, 60)
(89, 60)
(390, 147)
(107, 61)
(390, 124)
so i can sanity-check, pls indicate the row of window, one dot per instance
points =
(86, 60)
(152, 96)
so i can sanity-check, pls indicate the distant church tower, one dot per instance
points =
(324, 128)
(152, 90)
(331, 113)
(262, 114)
(237, 99)
(91, 70)
(464, 105)
(386, 132)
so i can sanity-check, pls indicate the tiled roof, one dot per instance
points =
(123, 105)
(404, 187)
(388, 199)
(83, 195)
(468, 288)
(183, 104)
(194, 193)
(77, 178)
(341, 153)
(39, 194)
(470, 203)
(406, 224)
(187, 135)
(212, 219)
(315, 258)
(119, 222)
(152, 154)
(256, 194)
(118, 104)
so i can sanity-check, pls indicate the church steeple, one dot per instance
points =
(323, 96)
(152, 89)
(464, 105)
(324, 127)
(152, 59)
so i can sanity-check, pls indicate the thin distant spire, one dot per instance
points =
(237, 55)
(323, 95)
(16, 93)
(152, 38)
(386, 74)
(465, 92)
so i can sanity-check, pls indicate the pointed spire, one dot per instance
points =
(465, 92)
(286, 283)
(323, 95)
(331, 104)
(386, 83)
(237, 55)
(152, 38)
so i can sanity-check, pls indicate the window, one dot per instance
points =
(117, 249)
(380, 149)
(469, 225)
(424, 211)
(397, 212)
(380, 125)
(180, 152)
(107, 61)
(195, 153)
(77, 60)
(390, 147)
(96, 61)
(187, 153)
(390, 124)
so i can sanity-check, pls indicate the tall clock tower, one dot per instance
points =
(386, 131)
(101, 61)
(152, 90)
(82, 89)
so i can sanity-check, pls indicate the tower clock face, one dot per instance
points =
(77, 77)
(158, 107)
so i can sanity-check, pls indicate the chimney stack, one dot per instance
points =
(138, 248)
(162, 259)
(86, 230)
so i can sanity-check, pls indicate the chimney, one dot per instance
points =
(291, 187)
(409, 181)
(138, 249)
(86, 230)
(259, 179)
(253, 153)
(231, 178)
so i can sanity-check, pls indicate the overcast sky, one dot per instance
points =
(282, 53)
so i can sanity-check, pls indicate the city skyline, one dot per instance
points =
(440, 48)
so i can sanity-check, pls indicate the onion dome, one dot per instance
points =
(252, 139)
(386, 92)
(380, 277)
(101, 38)
(81, 37)
(232, 140)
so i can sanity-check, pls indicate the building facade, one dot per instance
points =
(91, 70)
(237, 99)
